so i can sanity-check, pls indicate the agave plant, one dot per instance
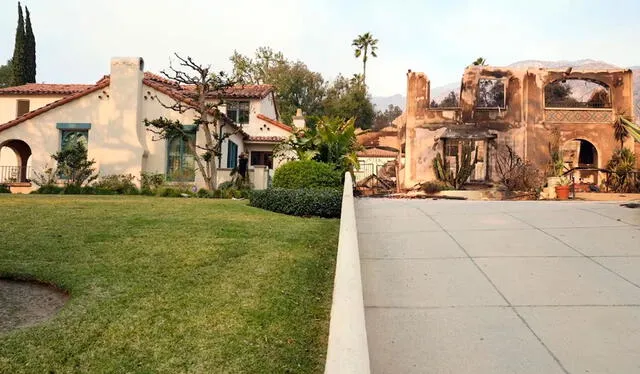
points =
(622, 177)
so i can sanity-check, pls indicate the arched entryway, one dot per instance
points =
(14, 168)
(582, 153)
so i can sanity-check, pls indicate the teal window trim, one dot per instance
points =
(73, 126)
(190, 132)
(232, 154)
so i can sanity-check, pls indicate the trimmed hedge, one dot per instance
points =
(307, 174)
(299, 202)
(75, 190)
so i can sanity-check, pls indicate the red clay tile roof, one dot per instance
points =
(166, 86)
(55, 104)
(248, 91)
(376, 152)
(274, 122)
(45, 89)
(159, 79)
(265, 139)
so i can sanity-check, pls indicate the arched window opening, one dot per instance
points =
(577, 93)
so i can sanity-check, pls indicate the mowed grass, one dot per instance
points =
(169, 285)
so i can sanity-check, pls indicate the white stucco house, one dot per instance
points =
(37, 119)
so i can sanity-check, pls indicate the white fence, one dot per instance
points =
(348, 351)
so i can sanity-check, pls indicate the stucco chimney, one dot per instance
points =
(298, 120)
(125, 122)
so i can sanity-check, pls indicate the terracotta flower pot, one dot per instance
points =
(562, 192)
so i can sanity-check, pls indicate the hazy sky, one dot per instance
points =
(76, 38)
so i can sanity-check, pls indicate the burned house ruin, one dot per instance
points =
(520, 108)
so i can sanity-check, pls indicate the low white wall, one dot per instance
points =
(348, 351)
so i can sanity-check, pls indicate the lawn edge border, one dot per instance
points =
(347, 350)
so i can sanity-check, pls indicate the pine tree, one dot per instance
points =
(19, 52)
(30, 51)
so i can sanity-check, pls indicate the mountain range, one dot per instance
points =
(438, 93)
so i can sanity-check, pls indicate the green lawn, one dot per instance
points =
(169, 285)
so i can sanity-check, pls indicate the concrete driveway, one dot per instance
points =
(500, 287)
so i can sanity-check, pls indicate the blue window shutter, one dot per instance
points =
(232, 155)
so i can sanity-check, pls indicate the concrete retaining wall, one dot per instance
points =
(348, 351)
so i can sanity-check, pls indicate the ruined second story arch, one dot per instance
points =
(583, 93)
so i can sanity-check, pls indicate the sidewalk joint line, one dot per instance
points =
(557, 360)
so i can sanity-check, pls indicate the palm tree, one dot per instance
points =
(623, 128)
(480, 61)
(365, 45)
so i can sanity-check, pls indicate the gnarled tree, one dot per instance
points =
(204, 101)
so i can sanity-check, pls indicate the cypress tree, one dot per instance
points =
(30, 51)
(18, 61)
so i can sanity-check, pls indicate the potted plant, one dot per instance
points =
(562, 189)
(556, 164)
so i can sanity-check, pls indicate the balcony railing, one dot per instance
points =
(13, 174)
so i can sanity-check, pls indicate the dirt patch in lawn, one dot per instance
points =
(26, 303)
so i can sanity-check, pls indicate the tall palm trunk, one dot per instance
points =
(364, 65)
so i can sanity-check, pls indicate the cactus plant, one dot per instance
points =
(463, 171)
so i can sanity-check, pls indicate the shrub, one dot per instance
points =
(225, 185)
(74, 165)
(307, 174)
(514, 173)
(149, 182)
(167, 191)
(299, 202)
(119, 183)
(623, 177)
(203, 193)
(49, 189)
(46, 177)
(4, 188)
(73, 189)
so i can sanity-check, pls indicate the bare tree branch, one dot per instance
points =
(204, 96)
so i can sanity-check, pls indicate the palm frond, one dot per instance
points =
(631, 128)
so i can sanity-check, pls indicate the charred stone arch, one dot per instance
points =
(587, 155)
(22, 152)
(598, 95)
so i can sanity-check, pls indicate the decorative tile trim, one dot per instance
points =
(578, 116)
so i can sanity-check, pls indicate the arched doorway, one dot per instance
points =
(582, 153)
(14, 168)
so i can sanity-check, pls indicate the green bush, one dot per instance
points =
(4, 188)
(121, 184)
(168, 191)
(150, 182)
(49, 189)
(225, 185)
(203, 193)
(307, 174)
(73, 189)
(299, 202)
